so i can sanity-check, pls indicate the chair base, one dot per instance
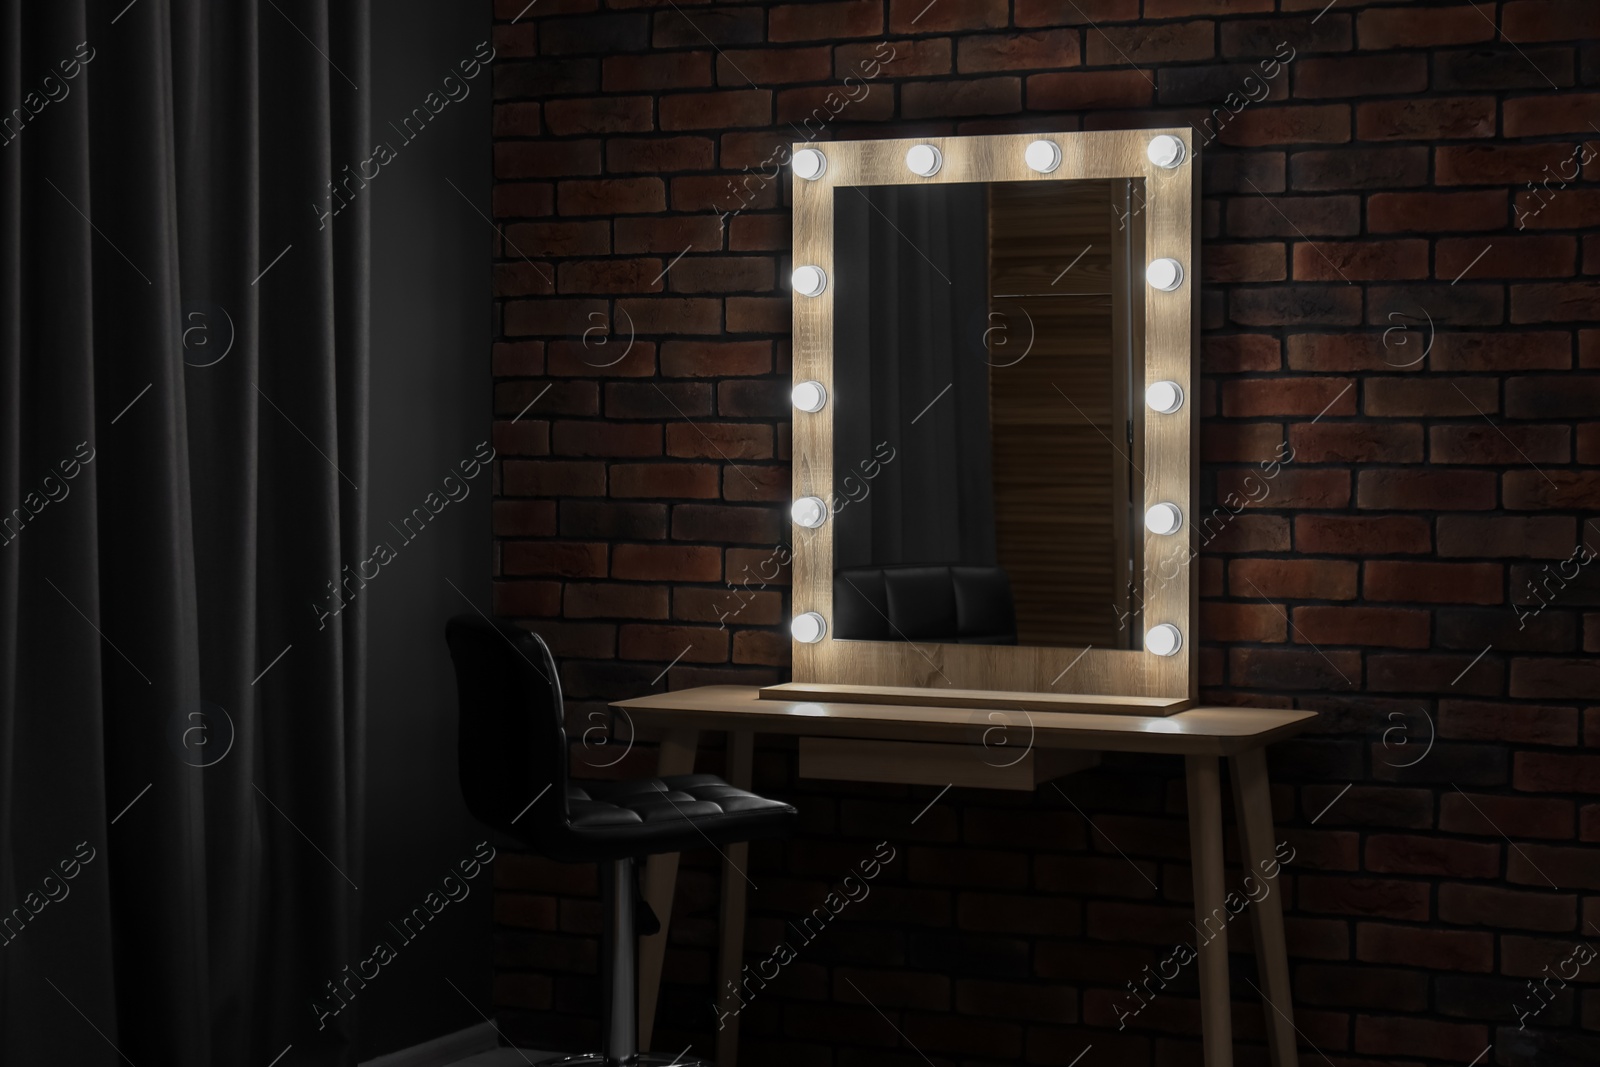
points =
(643, 1059)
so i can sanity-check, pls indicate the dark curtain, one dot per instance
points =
(183, 366)
(911, 376)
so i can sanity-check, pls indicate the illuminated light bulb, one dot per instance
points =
(924, 159)
(809, 280)
(1163, 639)
(1163, 518)
(808, 163)
(808, 628)
(1164, 274)
(809, 511)
(808, 396)
(1043, 156)
(1166, 151)
(1165, 397)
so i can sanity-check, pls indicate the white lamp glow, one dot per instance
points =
(810, 164)
(1165, 397)
(808, 628)
(1163, 518)
(1163, 639)
(808, 396)
(809, 280)
(1043, 156)
(1164, 274)
(809, 511)
(924, 159)
(1166, 151)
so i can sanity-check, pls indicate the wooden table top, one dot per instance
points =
(1217, 731)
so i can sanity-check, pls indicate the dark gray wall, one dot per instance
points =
(431, 252)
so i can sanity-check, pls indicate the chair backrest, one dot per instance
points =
(512, 738)
(938, 602)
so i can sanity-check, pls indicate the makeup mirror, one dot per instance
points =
(994, 452)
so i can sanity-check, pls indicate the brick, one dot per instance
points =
(970, 96)
(1502, 68)
(1384, 627)
(673, 315)
(715, 359)
(559, 559)
(1242, 622)
(1268, 37)
(1333, 442)
(597, 33)
(1390, 989)
(1074, 12)
(1467, 351)
(556, 478)
(759, 233)
(1381, 29)
(1432, 119)
(1560, 208)
(710, 522)
(1451, 950)
(1319, 124)
(591, 600)
(1432, 856)
(1295, 216)
(1436, 212)
(825, 21)
(1438, 583)
(1237, 353)
(695, 644)
(1498, 164)
(906, 59)
(1245, 533)
(1492, 906)
(1290, 489)
(1463, 304)
(1256, 398)
(1149, 45)
(1373, 897)
(716, 26)
(559, 238)
(1550, 20)
(613, 520)
(1295, 579)
(1507, 631)
(1391, 350)
(673, 235)
(1556, 302)
(611, 196)
(716, 110)
(1500, 445)
(632, 114)
(522, 279)
(1509, 723)
(1077, 91)
(524, 518)
(687, 563)
(766, 66)
(659, 155)
(1544, 865)
(609, 276)
(1400, 1037)
(1557, 489)
(517, 600)
(663, 480)
(1041, 49)
(1363, 167)
(1222, 86)
(1278, 669)
(1488, 538)
(556, 398)
(824, 103)
(755, 314)
(1377, 536)
(545, 77)
(1327, 261)
(1224, 442)
(1543, 116)
(606, 439)
(659, 70)
(1411, 396)
(1552, 396)
(1299, 305)
(523, 200)
(1348, 76)
(516, 120)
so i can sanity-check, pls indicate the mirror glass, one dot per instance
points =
(988, 405)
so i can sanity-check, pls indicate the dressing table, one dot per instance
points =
(994, 464)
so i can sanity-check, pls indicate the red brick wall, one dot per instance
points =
(1386, 294)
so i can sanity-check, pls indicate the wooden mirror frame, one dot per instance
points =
(1063, 678)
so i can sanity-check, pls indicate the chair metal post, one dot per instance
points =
(617, 974)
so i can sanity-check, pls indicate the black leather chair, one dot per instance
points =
(513, 767)
(941, 603)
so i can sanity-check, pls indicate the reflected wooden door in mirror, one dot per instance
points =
(993, 454)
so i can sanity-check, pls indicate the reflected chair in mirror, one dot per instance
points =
(513, 768)
(935, 602)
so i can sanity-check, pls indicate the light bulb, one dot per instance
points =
(924, 159)
(808, 396)
(1163, 518)
(1043, 156)
(1163, 639)
(1165, 397)
(808, 628)
(809, 511)
(808, 163)
(1164, 274)
(809, 280)
(1166, 151)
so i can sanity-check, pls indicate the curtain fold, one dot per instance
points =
(183, 369)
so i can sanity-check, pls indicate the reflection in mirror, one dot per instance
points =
(987, 377)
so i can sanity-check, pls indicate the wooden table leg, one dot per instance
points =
(1211, 915)
(660, 879)
(1253, 798)
(735, 883)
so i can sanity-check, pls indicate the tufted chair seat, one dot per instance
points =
(671, 814)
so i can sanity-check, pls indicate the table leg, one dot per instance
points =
(1253, 799)
(735, 884)
(1211, 915)
(660, 879)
